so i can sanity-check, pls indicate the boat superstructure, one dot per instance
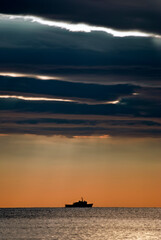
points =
(79, 204)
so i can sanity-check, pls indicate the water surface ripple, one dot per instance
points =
(80, 224)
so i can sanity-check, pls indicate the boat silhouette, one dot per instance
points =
(79, 204)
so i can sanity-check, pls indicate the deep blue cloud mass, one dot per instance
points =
(61, 89)
(57, 82)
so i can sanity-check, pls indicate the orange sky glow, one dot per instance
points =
(41, 171)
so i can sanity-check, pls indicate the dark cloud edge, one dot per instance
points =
(122, 15)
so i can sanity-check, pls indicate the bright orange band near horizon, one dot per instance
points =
(39, 171)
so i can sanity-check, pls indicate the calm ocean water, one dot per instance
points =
(80, 224)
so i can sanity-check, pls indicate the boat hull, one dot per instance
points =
(75, 206)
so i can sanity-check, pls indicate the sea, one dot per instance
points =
(80, 223)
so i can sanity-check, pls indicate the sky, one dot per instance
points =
(80, 100)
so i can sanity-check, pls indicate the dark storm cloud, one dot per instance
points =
(92, 69)
(57, 122)
(142, 76)
(135, 115)
(70, 119)
(137, 106)
(72, 132)
(85, 57)
(43, 44)
(85, 65)
(78, 128)
(144, 15)
(60, 89)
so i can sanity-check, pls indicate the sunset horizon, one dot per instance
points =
(80, 119)
(116, 180)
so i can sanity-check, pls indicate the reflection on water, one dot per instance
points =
(80, 224)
